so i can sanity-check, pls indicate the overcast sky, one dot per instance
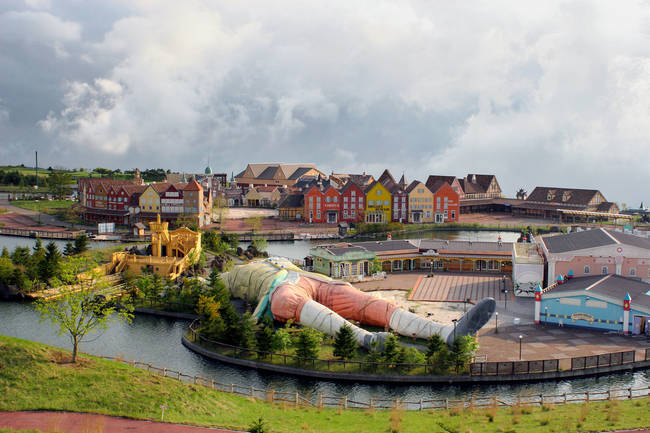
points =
(538, 93)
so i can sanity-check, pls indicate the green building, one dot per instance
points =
(343, 260)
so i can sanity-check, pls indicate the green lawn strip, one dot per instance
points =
(31, 378)
(4, 430)
(43, 205)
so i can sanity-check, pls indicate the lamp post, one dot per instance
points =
(545, 315)
(505, 306)
(454, 320)
(520, 338)
(496, 322)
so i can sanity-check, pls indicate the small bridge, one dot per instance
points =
(116, 287)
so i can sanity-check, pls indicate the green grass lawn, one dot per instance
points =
(36, 377)
(46, 206)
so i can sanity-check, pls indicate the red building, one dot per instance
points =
(446, 203)
(322, 204)
(352, 203)
(400, 205)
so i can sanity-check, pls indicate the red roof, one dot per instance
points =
(193, 186)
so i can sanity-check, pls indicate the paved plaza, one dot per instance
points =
(460, 287)
(553, 342)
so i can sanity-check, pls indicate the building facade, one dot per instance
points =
(378, 203)
(420, 203)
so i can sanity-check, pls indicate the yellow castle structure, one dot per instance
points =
(172, 252)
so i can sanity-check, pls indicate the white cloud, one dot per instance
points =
(535, 92)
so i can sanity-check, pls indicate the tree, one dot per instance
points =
(80, 244)
(255, 223)
(57, 182)
(264, 335)
(345, 345)
(49, 266)
(79, 311)
(38, 246)
(462, 350)
(5, 253)
(260, 244)
(212, 325)
(20, 256)
(69, 249)
(258, 426)
(246, 331)
(391, 349)
(308, 343)
(281, 340)
(437, 354)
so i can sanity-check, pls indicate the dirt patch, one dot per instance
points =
(65, 359)
(441, 312)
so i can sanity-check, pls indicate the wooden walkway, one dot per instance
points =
(460, 287)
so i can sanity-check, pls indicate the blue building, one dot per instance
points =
(597, 302)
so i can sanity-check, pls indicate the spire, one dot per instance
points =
(402, 180)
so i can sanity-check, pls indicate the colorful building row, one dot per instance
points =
(380, 201)
(129, 202)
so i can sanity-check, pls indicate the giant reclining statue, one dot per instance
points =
(283, 291)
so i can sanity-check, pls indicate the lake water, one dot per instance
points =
(298, 250)
(158, 341)
(11, 242)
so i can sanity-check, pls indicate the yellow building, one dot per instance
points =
(420, 203)
(150, 200)
(378, 203)
(171, 252)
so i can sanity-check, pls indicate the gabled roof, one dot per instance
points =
(435, 180)
(434, 187)
(268, 173)
(611, 286)
(592, 239)
(350, 184)
(402, 181)
(368, 187)
(192, 186)
(359, 179)
(386, 177)
(292, 200)
(477, 183)
(577, 241)
(413, 185)
(569, 196)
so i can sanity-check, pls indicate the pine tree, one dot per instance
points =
(247, 331)
(69, 249)
(391, 348)
(462, 350)
(345, 345)
(38, 245)
(50, 264)
(20, 256)
(435, 345)
(308, 343)
(264, 335)
(5, 253)
(281, 340)
(80, 244)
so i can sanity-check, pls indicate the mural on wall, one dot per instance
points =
(526, 289)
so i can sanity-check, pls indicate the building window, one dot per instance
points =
(453, 214)
(371, 202)
(446, 214)
(632, 272)
(604, 270)
(378, 192)
(386, 203)
(587, 269)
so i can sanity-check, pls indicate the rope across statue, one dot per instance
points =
(283, 291)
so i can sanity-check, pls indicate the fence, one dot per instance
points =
(298, 400)
(475, 368)
(332, 365)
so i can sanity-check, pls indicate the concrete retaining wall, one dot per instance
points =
(396, 378)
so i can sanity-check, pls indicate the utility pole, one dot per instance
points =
(36, 152)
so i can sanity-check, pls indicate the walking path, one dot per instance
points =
(68, 422)
(459, 287)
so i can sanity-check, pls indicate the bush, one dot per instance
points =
(308, 343)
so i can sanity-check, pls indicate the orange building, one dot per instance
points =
(446, 203)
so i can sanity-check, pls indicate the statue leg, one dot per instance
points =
(293, 302)
(353, 304)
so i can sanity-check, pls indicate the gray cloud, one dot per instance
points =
(553, 93)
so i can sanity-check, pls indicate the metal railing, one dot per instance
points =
(320, 400)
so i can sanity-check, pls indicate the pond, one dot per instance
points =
(11, 242)
(158, 341)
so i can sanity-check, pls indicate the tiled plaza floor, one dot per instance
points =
(461, 286)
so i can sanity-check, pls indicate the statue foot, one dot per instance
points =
(473, 320)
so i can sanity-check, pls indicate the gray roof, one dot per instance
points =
(613, 286)
(268, 173)
(385, 246)
(630, 239)
(299, 172)
(465, 246)
(592, 239)
(340, 250)
(292, 200)
(577, 241)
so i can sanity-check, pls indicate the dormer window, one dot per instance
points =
(550, 195)
(566, 196)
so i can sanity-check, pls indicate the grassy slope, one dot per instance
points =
(32, 378)
(43, 205)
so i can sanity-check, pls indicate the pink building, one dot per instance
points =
(597, 252)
